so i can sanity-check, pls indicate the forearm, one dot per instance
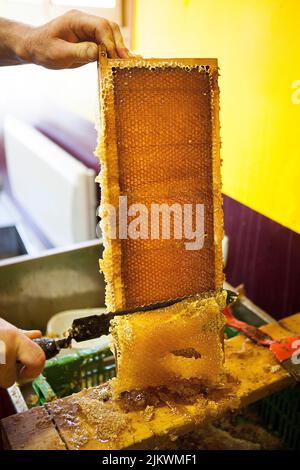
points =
(12, 42)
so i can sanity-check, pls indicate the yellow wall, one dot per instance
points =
(257, 43)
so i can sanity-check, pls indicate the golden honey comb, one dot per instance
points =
(170, 345)
(159, 144)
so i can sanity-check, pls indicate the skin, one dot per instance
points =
(69, 41)
(19, 348)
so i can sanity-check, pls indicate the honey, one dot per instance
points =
(166, 346)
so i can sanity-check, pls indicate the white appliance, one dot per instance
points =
(52, 186)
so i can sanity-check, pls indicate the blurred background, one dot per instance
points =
(47, 134)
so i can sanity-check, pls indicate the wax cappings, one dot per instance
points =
(166, 346)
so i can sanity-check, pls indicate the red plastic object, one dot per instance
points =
(282, 350)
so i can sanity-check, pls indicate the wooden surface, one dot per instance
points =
(31, 430)
(93, 420)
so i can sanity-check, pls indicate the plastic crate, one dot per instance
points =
(280, 414)
(73, 372)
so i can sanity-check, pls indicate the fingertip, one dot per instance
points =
(112, 53)
(123, 53)
(135, 56)
(32, 334)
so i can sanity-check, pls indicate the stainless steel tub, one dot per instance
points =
(33, 288)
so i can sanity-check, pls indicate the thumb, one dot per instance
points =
(81, 52)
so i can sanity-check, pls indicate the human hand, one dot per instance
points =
(71, 40)
(18, 346)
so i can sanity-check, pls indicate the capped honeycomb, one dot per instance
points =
(159, 144)
(166, 346)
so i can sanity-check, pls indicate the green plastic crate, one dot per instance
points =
(73, 372)
(280, 414)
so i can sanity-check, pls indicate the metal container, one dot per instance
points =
(33, 288)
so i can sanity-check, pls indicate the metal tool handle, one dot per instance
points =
(48, 345)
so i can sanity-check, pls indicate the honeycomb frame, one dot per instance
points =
(107, 151)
